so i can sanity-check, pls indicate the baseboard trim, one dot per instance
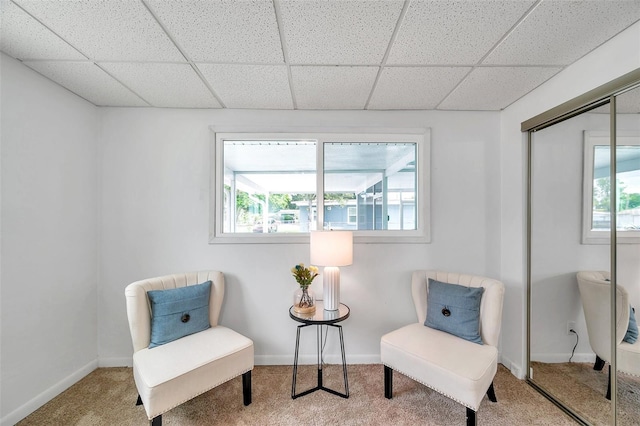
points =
(115, 362)
(560, 358)
(30, 406)
(514, 368)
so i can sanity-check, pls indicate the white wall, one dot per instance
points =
(613, 59)
(49, 239)
(155, 221)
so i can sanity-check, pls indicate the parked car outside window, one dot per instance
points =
(273, 226)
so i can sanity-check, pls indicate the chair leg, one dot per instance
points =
(246, 388)
(471, 417)
(388, 382)
(609, 385)
(491, 393)
(157, 421)
(599, 364)
(139, 401)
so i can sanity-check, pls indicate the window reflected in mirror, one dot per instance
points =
(597, 186)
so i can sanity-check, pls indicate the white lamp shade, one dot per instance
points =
(331, 248)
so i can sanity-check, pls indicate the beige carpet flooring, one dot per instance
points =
(579, 386)
(107, 396)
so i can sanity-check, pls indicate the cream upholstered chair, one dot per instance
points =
(457, 368)
(173, 373)
(595, 292)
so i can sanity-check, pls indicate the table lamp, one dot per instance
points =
(331, 249)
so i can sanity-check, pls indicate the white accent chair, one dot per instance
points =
(595, 292)
(452, 366)
(171, 374)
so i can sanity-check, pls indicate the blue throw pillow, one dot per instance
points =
(178, 312)
(454, 309)
(632, 330)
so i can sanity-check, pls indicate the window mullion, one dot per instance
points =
(320, 184)
(385, 206)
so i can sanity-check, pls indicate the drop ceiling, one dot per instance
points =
(307, 54)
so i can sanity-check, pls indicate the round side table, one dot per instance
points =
(319, 318)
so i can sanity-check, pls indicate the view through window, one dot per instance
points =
(265, 184)
(377, 181)
(285, 184)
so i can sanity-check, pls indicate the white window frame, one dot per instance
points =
(421, 136)
(591, 140)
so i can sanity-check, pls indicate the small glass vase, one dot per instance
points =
(304, 301)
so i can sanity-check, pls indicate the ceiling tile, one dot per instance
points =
(495, 88)
(415, 87)
(164, 85)
(250, 86)
(338, 32)
(222, 31)
(25, 38)
(332, 87)
(629, 102)
(453, 32)
(114, 30)
(88, 81)
(560, 32)
(333, 48)
(626, 103)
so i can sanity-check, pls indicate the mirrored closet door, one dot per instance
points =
(584, 278)
(627, 255)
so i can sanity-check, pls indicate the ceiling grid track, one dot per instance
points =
(52, 31)
(510, 31)
(486, 55)
(123, 84)
(383, 63)
(182, 52)
(285, 52)
(88, 59)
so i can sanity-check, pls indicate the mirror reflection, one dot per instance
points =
(572, 200)
(564, 216)
(628, 257)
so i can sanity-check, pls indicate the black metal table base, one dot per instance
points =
(320, 385)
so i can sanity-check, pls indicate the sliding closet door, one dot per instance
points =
(628, 250)
(583, 220)
(561, 220)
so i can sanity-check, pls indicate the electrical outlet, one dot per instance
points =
(571, 325)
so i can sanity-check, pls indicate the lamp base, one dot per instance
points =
(331, 288)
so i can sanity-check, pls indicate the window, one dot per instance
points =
(352, 215)
(597, 188)
(276, 187)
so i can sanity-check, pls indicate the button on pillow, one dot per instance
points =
(454, 309)
(178, 312)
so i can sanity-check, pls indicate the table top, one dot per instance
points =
(320, 316)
